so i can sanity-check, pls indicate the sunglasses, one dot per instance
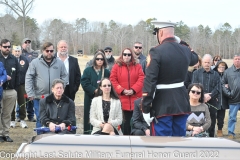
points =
(101, 59)
(136, 47)
(109, 85)
(193, 92)
(107, 51)
(127, 54)
(49, 51)
(6, 46)
(27, 42)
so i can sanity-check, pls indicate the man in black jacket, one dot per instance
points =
(139, 126)
(109, 57)
(72, 67)
(164, 92)
(9, 89)
(231, 88)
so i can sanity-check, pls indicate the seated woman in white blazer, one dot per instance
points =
(106, 111)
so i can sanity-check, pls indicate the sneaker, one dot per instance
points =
(23, 124)
(12, 124)
(18, 119)
(32, 120)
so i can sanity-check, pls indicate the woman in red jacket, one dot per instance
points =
(127, 79)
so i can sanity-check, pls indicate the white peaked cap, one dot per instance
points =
(159, 24)
(17, 48)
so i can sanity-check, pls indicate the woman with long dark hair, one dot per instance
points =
(89, 81)
(106, 112)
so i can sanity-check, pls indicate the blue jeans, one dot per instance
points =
(30, 111)
(36, 110)
(170, 126)
(232, 119)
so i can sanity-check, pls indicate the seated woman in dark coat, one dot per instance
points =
(139, 125)
(57, 109)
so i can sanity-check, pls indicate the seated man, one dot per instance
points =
(139, 126)
(57, 110)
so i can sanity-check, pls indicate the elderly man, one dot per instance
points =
(72, 67)
(9, 88)
(40, 74)
(164, 93)
(109, 57)
(137, 49)
(21, 111)
(231, 88)
(211, 83)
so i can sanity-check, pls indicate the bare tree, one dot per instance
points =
(21, 8)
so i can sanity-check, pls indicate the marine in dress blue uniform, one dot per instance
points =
(164, 94)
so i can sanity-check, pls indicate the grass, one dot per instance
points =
(20, 135)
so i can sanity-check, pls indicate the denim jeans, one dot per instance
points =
(233, 109)
(36, 110)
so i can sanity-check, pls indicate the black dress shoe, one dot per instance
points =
(32, 120)
(7, 139)
(1, 139)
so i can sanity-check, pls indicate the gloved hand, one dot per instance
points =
(147, 118)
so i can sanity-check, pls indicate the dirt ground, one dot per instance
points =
(20, 135)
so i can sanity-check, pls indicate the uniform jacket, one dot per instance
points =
(64, 112)
(96, 114)
(232, 78)
(137, 117)
(167, 64)
(222, 99)
(125, 76)
(74, 75)
(12, 68)
(39, 76)
(3, 78)
(24, 64)
(32, 53)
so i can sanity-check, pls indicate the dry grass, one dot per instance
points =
(20, 135)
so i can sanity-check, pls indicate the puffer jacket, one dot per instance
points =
(125, 76)
(231, 77)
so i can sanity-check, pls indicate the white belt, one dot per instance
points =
(168, 86)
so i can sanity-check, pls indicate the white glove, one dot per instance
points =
(147, 118)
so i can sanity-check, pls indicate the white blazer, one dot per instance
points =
(96, 114)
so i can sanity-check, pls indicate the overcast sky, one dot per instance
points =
(192, 12)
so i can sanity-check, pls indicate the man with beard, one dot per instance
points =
(9, 89)
(137, 49)
(109, 57)
(72, 67)
(40, 74)
(30, 54)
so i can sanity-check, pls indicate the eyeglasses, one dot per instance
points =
(49, 51)
(222, 67)
(193, 92)
(136, 47)
(217, 60)
(6, 46)
(127, 54)
(107, 51)
(109, 85)
(101, 59)
(17, 51)
(27, 42)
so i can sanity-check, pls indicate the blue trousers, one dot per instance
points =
(232, 118)
(170, 125)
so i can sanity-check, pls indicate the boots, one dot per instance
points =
(219, 133)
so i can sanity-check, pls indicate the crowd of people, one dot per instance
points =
(130, 95)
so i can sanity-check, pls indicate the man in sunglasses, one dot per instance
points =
(109, 57)
(40, 74)
(164, 93)
(211, 83)
(30, 54)
(137, 49)
(11, 65)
